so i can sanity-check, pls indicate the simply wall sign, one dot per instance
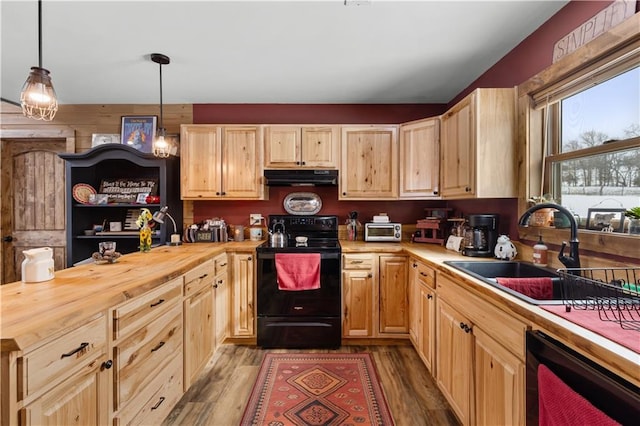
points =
(602, 22)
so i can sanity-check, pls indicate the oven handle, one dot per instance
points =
(323, 255)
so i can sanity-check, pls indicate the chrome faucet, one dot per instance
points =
(573, 260)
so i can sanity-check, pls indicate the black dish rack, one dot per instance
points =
(613, 292)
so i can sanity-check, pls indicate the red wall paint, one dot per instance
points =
(535, 53)
(531, 56)
(313, 113)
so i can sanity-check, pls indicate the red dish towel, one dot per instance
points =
(540, 288)
(298, 271)
(559, 405)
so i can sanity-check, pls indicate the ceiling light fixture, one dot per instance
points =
(160, 145)
(38, 98)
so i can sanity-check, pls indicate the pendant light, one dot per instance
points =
(38, 98)
(160, 145)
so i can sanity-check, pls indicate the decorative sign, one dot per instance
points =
(127, 190)
(138, 132)
(602, 22)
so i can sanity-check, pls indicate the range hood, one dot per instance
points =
(301, 177)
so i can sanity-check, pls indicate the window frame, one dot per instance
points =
(607, 55)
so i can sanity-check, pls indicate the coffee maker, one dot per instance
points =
(481, 235)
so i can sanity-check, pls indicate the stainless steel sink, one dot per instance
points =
(488, 271)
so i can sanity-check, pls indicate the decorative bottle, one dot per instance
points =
(540, 253)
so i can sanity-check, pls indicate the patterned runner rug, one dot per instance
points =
(317, 389)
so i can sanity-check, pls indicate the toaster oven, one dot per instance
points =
(391, 232)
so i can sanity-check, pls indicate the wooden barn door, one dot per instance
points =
(33, 201)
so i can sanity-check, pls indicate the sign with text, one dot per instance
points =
(602, 22)
(127, 190)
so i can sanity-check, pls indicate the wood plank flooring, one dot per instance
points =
(219, 396)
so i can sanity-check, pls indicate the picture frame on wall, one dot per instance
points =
(611, 220)
(138, 131)
(104, 138)
(173, 140)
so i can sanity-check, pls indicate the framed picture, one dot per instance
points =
(104, 138)
(138, 132)
(174, 143)
(611, 220)
(142, 198)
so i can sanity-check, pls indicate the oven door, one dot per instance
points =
(323, 302)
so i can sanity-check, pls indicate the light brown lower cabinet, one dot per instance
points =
(375, 295)
(480, 357)
(148, 357)
(422, 311)
(79, 400)
(242, 311)
(221, 296)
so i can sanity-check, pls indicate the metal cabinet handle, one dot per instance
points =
(158, 404)
(357, 261)
(423, 274)
(202, 276)
(429, 296)
(223, 264)
(249, 258)
(153, 305)
(106, 365)
(158, 346)
(76, 350)
(369, 275)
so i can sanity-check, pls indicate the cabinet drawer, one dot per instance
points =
(142, 309)
(221, 261)
(144, 354)
(357, 261)
(199, 277)
(62, 357)
(154, 403)
(426, 274)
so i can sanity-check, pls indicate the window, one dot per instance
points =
(593, 142)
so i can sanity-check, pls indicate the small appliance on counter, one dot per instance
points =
(481, 235)
(37, 265)
(381, 232)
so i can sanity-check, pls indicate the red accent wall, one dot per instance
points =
(313, 113)
(531, 56)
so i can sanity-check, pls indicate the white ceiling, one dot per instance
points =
(262, 51)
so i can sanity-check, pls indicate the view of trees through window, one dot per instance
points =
(600, 115)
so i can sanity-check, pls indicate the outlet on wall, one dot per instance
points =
(255, 219)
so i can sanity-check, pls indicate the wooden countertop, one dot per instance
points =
(35, 311)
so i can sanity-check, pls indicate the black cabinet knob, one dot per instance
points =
(7, 239)
(107, 365)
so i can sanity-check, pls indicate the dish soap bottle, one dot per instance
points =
(540, 252)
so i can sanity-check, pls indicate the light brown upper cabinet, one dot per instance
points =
(420, 159)
(369, 163)
(301, 147)
(478, 146)
(221, 162)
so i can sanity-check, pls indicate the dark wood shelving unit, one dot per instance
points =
(115, 161)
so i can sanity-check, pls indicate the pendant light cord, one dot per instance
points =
(161, 120)
(40, 33)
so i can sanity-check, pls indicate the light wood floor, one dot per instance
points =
(218, 397)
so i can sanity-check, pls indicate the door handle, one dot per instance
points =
(8, 239)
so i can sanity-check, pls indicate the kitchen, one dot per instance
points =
(406, 212)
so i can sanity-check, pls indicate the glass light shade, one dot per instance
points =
(38, 98)
(160, 145)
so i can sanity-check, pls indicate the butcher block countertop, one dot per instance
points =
(31, 313)
(623, 361)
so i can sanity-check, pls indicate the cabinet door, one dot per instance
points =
(420, 159)
(414, 305)
(499, 383)
(221, 286)
(454, 360)
(242, 162)
(200, 162)
(357, 293)
(458, 150)
(319, 147)
(426, 335)
(80, 400)
(369, 163)
(394, 295)
(198, 333)
(242, 299)
(282, 146)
